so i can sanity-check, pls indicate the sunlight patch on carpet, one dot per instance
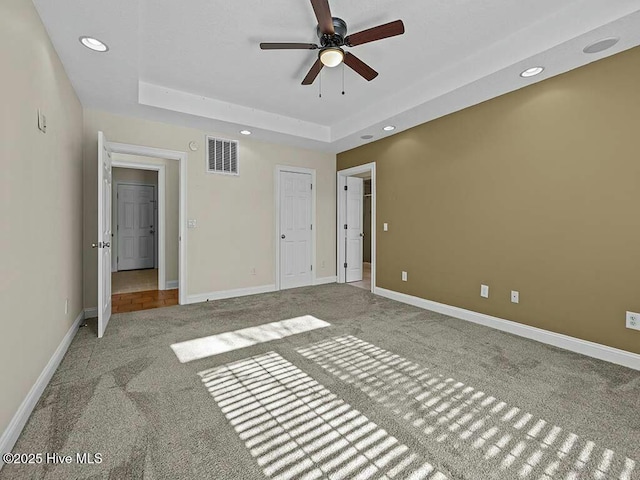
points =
(246, 337)
(502, 437)
(297, 429)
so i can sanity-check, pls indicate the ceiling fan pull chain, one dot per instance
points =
(343, 78)
(320, 84)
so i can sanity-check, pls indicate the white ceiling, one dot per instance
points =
(197, 62)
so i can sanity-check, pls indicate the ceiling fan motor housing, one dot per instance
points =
(337, 39)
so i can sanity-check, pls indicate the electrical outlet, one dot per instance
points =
(323, 264)
(515, 296)
(253, 271)
(66, 306)
(404, 276)
(633, 320)
(484, 291)
(192, 223)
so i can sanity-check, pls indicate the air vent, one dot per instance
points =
(222, 156)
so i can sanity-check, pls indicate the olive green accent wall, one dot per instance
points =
(536, 191)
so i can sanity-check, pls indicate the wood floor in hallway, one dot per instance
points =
(129, 281)
(365, 283)
(133, 302)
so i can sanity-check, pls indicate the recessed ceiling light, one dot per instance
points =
(389, 128)
(245, 132)
(94, 44)
(601, 45)
(366, 137)
(532, 72)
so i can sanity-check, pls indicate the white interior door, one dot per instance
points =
(354, 230)
(136, 231)
(104, 234)
(295, 230)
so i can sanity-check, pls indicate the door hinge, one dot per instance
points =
(312, 186)
(345, 264)
(312, 268)
(346, 188)
(312, 226)
(345, 226)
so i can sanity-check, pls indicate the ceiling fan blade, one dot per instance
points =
(323, 14)
(359, 66)
(288, 46)
(376, 33)
(313, 73)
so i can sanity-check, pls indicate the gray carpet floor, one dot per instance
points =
(387, 391)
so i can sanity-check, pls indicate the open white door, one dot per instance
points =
(104, 234)
(354, 230)
(295, 230)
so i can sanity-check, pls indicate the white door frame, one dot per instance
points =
(312, 172)
(115, 245)
(342, 215)
(181, 157)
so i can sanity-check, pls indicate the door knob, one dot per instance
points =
(283, 236)
(106, 244)
(362, 234)
(95, 245)
(152, 232)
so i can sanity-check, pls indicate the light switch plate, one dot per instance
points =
(515, 296)
(404, 276)
(385, 227)
(484, 291)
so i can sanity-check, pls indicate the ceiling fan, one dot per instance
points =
(332, 35)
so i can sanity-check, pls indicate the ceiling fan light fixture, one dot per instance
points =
(332, 35)
(331, 56)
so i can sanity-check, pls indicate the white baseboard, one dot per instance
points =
(17, 423)
(584, 347)
(238, 292)
(171, 284)
(91, 312)
(324, 280)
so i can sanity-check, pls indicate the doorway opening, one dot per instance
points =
(145, 233)
(165, 218)
(356, 232)
(355, 277)
(134, 260)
